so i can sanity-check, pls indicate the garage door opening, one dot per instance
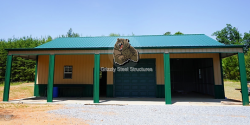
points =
(132, 83)
(192, 78)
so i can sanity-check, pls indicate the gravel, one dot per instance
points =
(155, 114)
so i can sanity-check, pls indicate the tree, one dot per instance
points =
(231, 36)
(178, 33)
(113, 34)
(167, 33)
(70, 33)
(246, 41)
(228, 35)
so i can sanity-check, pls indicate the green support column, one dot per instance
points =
(219, 89)
(7, 78)
(96, 78)
(243, 79)
(167, 78)
(50, 78)
(36, 89)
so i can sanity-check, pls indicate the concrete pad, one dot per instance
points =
(125, 101)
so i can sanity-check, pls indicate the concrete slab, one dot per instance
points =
(126, 101)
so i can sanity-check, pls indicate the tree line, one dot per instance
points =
(24, 70)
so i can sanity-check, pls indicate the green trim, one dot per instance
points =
(7, 78)
(109, 92)
(96, 78)
(59, 54)
(199, 52)
(160, 92)
(50, 78)
(243, 79)
(111, 48)
(36, 87)
(167, 79)
(69, 90)
(219, 92)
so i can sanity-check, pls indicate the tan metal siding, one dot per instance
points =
(83, 67)
(42, 69)
(106, 60)
(159, 66)
(82, 72)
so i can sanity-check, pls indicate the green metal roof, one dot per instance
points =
(146, 41)
(135, 41)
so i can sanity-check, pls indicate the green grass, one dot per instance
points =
(229, 80)
(12, 83)
(230, 91)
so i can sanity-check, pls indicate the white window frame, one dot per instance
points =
(66, 70)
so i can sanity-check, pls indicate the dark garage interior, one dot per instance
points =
(192, 77)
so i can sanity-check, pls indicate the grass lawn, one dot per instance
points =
(230, 91)
(18, 90)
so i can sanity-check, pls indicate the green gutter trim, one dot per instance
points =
(243, 79)
(200, 52)
(7, 78)
(111, 48)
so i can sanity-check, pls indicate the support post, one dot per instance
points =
(243, 79)
(219, 89)
(36, 89)
(7, 78)
(96, 78)
(167, 79)
(50, 78)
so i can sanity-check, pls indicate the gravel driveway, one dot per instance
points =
(158, 115)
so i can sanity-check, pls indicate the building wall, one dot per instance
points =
(106, 60)
(43, 69)
(83, 67)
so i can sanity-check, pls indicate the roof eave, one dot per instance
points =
(110, 48)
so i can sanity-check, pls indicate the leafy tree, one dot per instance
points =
(167, 33)
(178, 33)
(231, 36)
(246, 41)
(113, 34)
(22, 69)
(70, 33)
(228, 35)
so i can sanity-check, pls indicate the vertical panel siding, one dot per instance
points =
(216, 63)
(82, 72)
(159, 66)
(106, 60)
(43, 69)
(83, 67)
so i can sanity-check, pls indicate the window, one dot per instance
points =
(67, 72)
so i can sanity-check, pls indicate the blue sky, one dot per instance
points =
(20, 18)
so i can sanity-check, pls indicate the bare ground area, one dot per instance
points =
(23, 90)
(17, 114)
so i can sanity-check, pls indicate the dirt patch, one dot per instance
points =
(16, 114)
(23, 90)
